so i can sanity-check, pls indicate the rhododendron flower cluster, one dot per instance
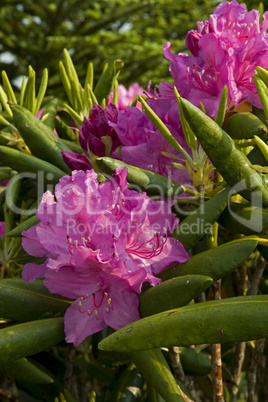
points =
(226, 50)
(102, 242)
(126, 95)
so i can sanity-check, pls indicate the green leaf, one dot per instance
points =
(195, 363)
(244, 219)
(29, 96)
(5, 173)
(232, 164)
(22, 369)
(66, 82)
(23, 301)
(22, 162)
(219, 119)
(106, 82)
(263, 94)
(64, 130)
(157, 122)
(263, 74)
(127, 388)
(49, 115)
(193, 228)
(244, 125)
(25, 225)
(8, 88)
(237, 319)
(188, 133)
(262, 146)
(215, 263)
(29, 338)
(152, 183)
(4, 100)
(42, 91)
(40, 139)
(154, 367)
(175, 292)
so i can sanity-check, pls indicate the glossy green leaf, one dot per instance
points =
(195, 363)
(127, 388)
(155, 369)
(5, 173)
(244, 219)
(22, 162)
(193, 228)
(263, 94)
(157, 122)
(262, 146)
(4, 100)
(64, 130)
(22, 369)
(8, 88)
(23, 301)
(215, 263)
(42, 91)
(244, 125)
(263, 74)
(40, 139)
(29, 96)
(25, 225)
(232, 164)
(175, 292)
(29, 338)
(187, 131)
(65, 81)
(219, 119)
(106, 82)
(49, 114)
(236, 319)
(152, 183)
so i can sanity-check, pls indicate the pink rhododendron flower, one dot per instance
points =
(226, 50)
(102, 242)
(96, 136)
(143, 145)
(126, 96)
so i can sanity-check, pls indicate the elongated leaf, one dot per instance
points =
(17, 231)
(263, 74)
(152, 183)
(244, 126)
(42, 142)
(122, 387)
(29, 96)
(29, 338)
(154, 367)
(215, 263)
(193, 228)
(172, 293)
(195, 363)
(42, 90)
(50, 111)
(22, 369)
(262, 146)
(106, 82)
(5, 173)
(263, 94)
(23, 301)
(219, 119)
(244, 219)
(64, 130)
(22, 162)
(236, 319)
(8, 88)
(157, 122)
(225, 156)
(187, 131)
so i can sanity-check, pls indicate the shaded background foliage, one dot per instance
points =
(135, 31)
